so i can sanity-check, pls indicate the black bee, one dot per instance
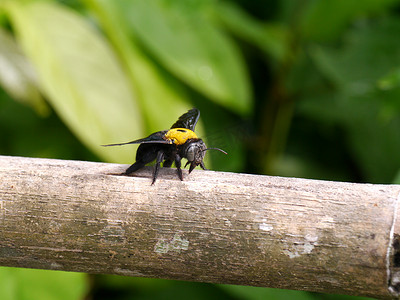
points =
(170, 146)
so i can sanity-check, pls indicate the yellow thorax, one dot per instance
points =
(179, 136)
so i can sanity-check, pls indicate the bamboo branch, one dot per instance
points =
(288, 233)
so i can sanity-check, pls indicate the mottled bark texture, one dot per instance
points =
(217, 227)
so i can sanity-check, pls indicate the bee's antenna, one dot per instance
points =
(216, 149)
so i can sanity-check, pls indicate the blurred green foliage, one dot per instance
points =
(28, 284)
(293, 88)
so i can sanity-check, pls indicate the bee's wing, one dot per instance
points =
(188, 120)
(157, 137)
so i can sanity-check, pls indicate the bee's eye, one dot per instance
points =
(190, 153)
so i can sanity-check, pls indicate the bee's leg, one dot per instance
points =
(144, 155)
(178, 166)
(136, 166)
(160, 158)
(203, 166)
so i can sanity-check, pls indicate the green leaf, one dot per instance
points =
(368, 114)
(80, 75)
(270, 38)
(396, 179)
(26, 284)
(17, 75)
(260, 293)
(162, 99)
(326, 20)
(182, 38)
(390, 80)
(369, 53)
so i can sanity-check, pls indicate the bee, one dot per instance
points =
(170, 146)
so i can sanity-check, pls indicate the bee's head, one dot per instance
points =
(194, 150)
